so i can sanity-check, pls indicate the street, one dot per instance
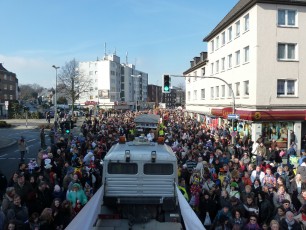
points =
(10, 156)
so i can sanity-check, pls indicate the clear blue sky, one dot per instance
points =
(160, 36)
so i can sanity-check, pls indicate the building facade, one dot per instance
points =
(255, 68)
(115, 85)
(8, 89)
(154, 96)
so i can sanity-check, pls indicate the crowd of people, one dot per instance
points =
(229, 184)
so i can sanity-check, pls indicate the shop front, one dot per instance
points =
(268, 125)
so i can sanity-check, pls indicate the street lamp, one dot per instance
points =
(55, 103)
(136, 94)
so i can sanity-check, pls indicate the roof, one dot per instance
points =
(147, 118)
(2, 68)
(241, 7)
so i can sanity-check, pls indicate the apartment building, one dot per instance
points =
(8, 89)
(255, 68)
(115, 85)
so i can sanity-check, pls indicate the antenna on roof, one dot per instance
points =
(126, 58)
(104, 50)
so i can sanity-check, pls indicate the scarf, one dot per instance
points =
(290, 223)
(281, 197)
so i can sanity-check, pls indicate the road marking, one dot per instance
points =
(31, 140)
(15, 158)
(3, 155)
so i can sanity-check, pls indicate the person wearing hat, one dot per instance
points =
(77, 195)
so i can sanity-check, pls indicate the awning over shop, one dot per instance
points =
(262, 115)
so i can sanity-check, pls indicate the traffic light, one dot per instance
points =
(67, 127)
(166, 83)
(235, 124)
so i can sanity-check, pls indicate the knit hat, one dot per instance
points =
(57, 188)
(234, 184)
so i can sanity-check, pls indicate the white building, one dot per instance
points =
(259, 50)
(115, 85)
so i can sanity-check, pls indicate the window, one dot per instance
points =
(212, 68)
(230, 57)
(223, 38)
(217, 66)
(188, 95)
(237, 24)
(212, 44)
(202, 94)
(195, 92)
(237, 57)
(223, 91)
(237, 89)
(11, 97)
(222, 64)
(230, 34)
(5, 96)
(217, 91)
(158, 169)
(286, 51)
(203, 71)
(286, 87)
(246, 88)
(217, 42)
(229, 90)
(5, 86)
(211, 92)
(122, 168)
(246, 22)
(11, 87)
(286, 17)
(246, 54)
(5, 77)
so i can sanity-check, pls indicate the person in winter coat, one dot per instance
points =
(301, 218)
(252, 224)
(289, 222)
(265, 207)
(77, 194)
(207, 205)
(19, 213)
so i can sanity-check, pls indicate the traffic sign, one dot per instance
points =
(233, 116)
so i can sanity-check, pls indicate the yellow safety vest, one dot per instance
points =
(185, 194)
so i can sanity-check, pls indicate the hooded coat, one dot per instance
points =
(79, 194)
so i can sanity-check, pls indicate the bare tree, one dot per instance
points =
(30, 91)
(72, 82)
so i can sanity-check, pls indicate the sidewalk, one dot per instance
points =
(30, 124)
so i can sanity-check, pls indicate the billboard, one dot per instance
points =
(103, 93)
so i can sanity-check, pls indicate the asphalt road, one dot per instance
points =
(10, 156)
